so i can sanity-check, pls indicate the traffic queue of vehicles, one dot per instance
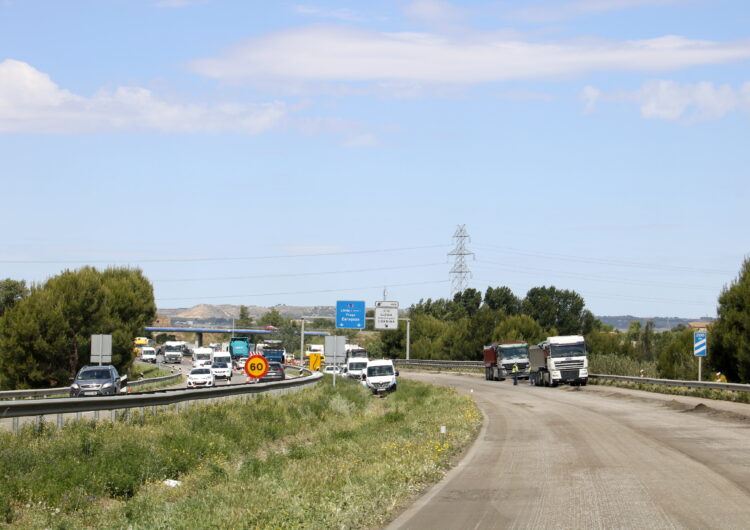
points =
(377, 375)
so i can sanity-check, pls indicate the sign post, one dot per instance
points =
(335, 351)
(350, 314)
(256, 366)
(386, 315)
(101, 349)
(700, 348)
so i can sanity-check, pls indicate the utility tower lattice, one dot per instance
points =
(460, 272)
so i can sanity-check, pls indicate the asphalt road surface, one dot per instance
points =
(597, 457)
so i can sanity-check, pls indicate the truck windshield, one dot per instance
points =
(568, 350)
(173, 348)
(516, 352)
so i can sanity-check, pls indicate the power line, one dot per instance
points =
(209, 259)
(296, 274)
(300, 292)
(606, 261)
(535, 271)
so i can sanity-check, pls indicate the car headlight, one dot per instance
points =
(107, 385)
(74, 386)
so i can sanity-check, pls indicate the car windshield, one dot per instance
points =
(374, 371)
(200, 371)
(516, 352)
(219, 365)
(203, 356)
(274, 366)
(568, 350)
(89, 375)
(357, 366)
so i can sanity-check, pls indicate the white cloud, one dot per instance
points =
(435, 11)
(590, 96)
(690, 102)
(31, 102)
(343, 14)
(567, 10)
(325, 53)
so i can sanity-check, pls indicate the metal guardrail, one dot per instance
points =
(64, 390)
(439, 363)
(45, 407)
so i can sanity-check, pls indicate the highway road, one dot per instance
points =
(592, 458)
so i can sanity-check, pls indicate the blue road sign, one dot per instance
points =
(699, 343)
(350, 314)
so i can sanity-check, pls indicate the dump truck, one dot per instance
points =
(560, 360)
(500, 357)
(240, 347)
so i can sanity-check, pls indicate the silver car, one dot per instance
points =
(97, 381)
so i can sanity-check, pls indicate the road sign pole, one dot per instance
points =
(700, 362)
(408, 337)
(302, 344)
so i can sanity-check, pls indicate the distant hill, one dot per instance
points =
(660, 323)
(223, 315)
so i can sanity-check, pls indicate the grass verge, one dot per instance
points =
(321, 458)
(706, 393)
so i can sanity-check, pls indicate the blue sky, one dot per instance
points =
(270, 153)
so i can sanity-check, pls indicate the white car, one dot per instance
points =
(222, 371)
(330, 369)
(201, 377)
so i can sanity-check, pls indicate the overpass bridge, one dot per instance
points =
(200, 331)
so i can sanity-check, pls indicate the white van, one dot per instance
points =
(202, 357)
(356, 367)
(222, 357)
(148, 354)
(380, 376)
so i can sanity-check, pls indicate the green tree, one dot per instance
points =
(63, 314)
(520, 328)
(272, 318)
(469, 300)
(555, 308)
(11, 292)
(729, 336)
(244, 321)
(676, 359)
(502, 298)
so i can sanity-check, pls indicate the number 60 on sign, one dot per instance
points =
(256, 366)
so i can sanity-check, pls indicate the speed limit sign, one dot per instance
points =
(256, 366)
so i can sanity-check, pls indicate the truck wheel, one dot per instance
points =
(583, 383)
(553, 384)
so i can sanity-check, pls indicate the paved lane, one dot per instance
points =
(594, 458)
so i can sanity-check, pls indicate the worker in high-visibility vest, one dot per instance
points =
(721, 378)
(514, 371)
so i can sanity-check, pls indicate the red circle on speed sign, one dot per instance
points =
(256, 366)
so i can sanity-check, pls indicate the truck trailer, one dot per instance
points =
(560, 360)
(500, 357)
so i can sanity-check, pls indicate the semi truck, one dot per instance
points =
(173, 351)
(500, 357)
(560, 360)
(240, 347)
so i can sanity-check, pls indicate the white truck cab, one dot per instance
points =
(355, 367)
(380, 376)
(148, 354)
(202, 357)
